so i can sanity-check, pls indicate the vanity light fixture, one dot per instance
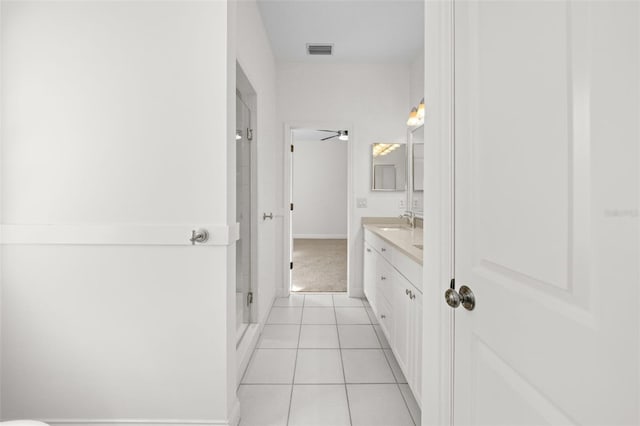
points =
(416, 116)
(344, 135)
(421, 110)
(238, 135)
(413, 117)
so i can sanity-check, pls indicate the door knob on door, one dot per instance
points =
(199, 236)
(452, 298)
(465, 297)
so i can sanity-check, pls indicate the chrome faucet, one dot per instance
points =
(411, 218)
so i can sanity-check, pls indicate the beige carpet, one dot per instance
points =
(319, 265)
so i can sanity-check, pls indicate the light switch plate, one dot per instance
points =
(361, 203)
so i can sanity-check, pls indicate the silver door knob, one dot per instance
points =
(452, 298)
(464, 297)
(199, 236)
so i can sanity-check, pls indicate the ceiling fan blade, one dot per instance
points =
(330, 137)
(331, 131)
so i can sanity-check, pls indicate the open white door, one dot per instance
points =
(547, 132)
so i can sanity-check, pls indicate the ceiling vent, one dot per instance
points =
(320, 49)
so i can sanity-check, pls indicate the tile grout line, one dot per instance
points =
(295, 363)
(384, 353)
(344, 376)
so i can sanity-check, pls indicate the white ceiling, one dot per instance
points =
(365, 31)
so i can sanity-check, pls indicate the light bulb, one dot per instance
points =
(421, 110)
(413, 117)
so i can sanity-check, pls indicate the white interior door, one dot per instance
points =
(546, 122)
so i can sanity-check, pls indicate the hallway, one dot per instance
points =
(322, 360)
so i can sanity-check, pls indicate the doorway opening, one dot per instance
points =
(318, 188)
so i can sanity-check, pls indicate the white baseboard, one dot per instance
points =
(356, 292)
(146, 422)
(246, 347)
(320, 236)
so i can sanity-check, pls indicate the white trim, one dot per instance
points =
(321, 236)
(234, 416)
(352, 289)
(133, 422)
(108, 234)
(438, 318)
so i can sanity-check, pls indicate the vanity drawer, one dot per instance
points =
(409, 268)
(385, 318)
(381, 246)
(384, 284)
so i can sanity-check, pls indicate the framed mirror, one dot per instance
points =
(416, 192)
(388, 167)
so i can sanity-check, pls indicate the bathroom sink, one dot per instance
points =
(393, 227)
(420, 246)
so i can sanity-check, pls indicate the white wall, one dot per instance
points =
(257, 61)
(320, 189)
(373, 99)
(416, 81)
(115, 143)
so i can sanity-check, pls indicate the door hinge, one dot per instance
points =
(291, 148)
(249, 298)
(249, 134)
(291, 206)
(290, 265)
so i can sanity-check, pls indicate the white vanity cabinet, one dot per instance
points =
(407, 307)
(393, 286)
(369, 272)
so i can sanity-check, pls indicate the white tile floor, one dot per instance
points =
(321, 361)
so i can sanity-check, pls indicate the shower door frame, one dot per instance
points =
(247, 95)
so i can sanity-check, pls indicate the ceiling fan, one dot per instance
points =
(343, 135)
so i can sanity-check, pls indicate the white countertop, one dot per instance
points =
(403, 238)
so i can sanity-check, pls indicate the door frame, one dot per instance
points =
(287, 237)
(438, 261)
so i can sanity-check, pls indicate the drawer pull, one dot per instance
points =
(413, 296)
(369, 250)
(383, 316)
(406, 291)
(383, 249)
(382, 278)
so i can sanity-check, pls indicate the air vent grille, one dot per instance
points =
(320, 49)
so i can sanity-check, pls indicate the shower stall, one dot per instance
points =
(245, 216)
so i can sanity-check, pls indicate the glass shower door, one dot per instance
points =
(243, 216)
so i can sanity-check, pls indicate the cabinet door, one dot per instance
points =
(415, 345)
(369, 274)
(403, 328)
